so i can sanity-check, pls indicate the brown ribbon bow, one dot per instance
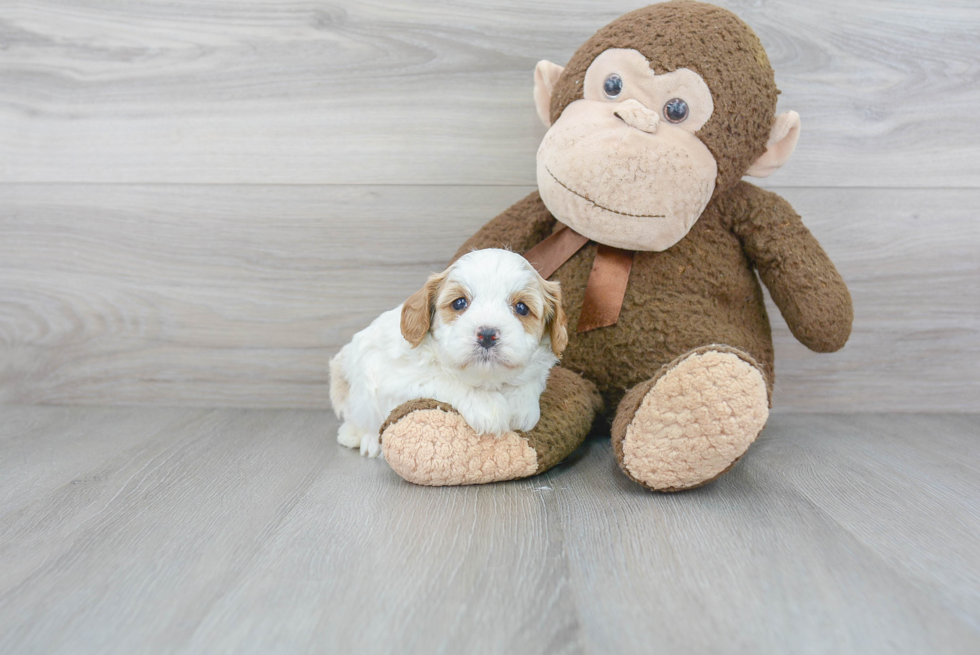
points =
(610, 274)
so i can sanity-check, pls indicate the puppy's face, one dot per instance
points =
(490, 309)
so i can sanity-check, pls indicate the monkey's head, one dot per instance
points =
(658, 112)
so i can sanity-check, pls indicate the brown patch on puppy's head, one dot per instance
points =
(555, 317)
(418, 309)
(449, 293)
(545, 312)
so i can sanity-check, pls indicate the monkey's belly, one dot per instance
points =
(671, 307)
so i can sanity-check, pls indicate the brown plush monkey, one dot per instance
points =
(643, 217)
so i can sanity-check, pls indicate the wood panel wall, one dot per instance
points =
(200, 202)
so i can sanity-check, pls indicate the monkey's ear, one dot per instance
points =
(782, 142)
(417, 310)
(546, 74)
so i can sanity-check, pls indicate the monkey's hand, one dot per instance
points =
(803, 282)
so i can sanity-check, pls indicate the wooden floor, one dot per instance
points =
(205, 531)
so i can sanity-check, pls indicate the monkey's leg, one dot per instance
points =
(692, 421)
(429, 443)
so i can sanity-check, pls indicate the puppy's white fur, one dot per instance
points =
(426, 348)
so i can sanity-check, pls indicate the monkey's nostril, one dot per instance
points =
(616, 114)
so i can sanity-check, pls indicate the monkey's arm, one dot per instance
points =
(803, 282)
(519, 228)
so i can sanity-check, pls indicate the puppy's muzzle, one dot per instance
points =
(487, 337)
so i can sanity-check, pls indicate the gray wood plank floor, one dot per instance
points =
(202, 531)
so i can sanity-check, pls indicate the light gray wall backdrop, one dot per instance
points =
(200, 202)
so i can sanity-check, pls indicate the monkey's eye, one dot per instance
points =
(460, 304)
(676, 110)
(521, 309)
(613, 86)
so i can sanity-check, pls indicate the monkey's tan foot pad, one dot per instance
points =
(429, 443)
(692, 422)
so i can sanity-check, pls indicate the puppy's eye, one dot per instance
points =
(521, 309)
(460, 304)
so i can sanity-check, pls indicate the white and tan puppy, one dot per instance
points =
(481, 336)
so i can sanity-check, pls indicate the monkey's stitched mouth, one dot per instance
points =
(587, 199)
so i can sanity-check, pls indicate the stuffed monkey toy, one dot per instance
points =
(642, 214)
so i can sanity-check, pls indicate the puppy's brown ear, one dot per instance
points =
(417, 310)
(556, 317)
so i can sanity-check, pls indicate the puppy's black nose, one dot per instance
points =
(487, 336)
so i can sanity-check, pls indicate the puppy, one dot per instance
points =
(481, 336)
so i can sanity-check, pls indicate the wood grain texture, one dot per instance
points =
(411, 92)
(40, 450)
(799, 549)
(152, 282)
(238, 296)
(254, 532)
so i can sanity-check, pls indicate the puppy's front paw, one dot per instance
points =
(486, 418)
(483, 425)
(349, 436)
(371, 445)
(525, 418)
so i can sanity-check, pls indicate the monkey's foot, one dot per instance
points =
(429, 443)
(692, 422)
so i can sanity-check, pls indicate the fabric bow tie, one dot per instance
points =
(610, 274)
